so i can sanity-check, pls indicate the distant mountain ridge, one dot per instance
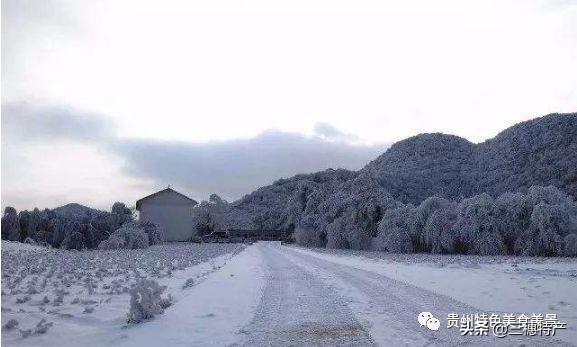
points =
(76, 211)
(542, 151)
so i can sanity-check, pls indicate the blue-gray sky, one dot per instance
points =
(109, 100)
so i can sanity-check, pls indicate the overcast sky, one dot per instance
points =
(111, 100)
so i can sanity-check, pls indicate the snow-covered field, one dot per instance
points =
(76, 298)
(269, 294)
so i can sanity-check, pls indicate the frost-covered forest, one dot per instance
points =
(74, 226)
(512, 194)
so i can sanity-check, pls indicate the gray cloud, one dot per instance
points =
(23, 121)
(234, 168)
(229, 168)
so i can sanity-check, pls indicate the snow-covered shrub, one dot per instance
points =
(189, 283)
(42, 327)
(127, 237)
(419, 219)
(146, 301)
(477, 225)
(154, 231)
(29, 241)
(396, 240)
(359, 209)
(337, 234)
(308, 233)
(394, 231)
(570, 245)
(73, 238)
(550, 224)
(439, 233)
(513, 217)
(11, 324)
(10, 225)
(113, 242)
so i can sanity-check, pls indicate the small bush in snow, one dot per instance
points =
(113, 242)
(42, 327)
(127, 237)
(11, 324)
(146, 301)
(189, 283)
(154, 231)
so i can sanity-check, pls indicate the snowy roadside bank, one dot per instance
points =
(212, 313)
(521, 285)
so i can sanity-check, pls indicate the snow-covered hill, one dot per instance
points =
(342, 209)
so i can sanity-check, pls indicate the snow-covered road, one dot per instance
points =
(310, 300)
(297, 308)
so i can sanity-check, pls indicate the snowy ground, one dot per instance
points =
(85, 294)
(267, 294)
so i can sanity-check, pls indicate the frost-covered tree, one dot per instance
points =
(24, 219)
(550, 224)
(79, 236)
(211, 215)
(34, 223)
(513, 217)
(337, 234)
(119, 208)
(421, 241)
(58, 226)
(547, 195)
(570, 245)
(478, 227)
(73, 237)
(394, 231)
(308, 233)
(439, 233)
(10, 225)
(120, 214)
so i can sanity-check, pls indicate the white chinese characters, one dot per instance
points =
(480, 324)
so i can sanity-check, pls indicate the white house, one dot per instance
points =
(171, 210)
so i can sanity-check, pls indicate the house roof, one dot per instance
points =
(138, 202)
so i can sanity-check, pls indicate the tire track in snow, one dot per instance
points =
(298, 309)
